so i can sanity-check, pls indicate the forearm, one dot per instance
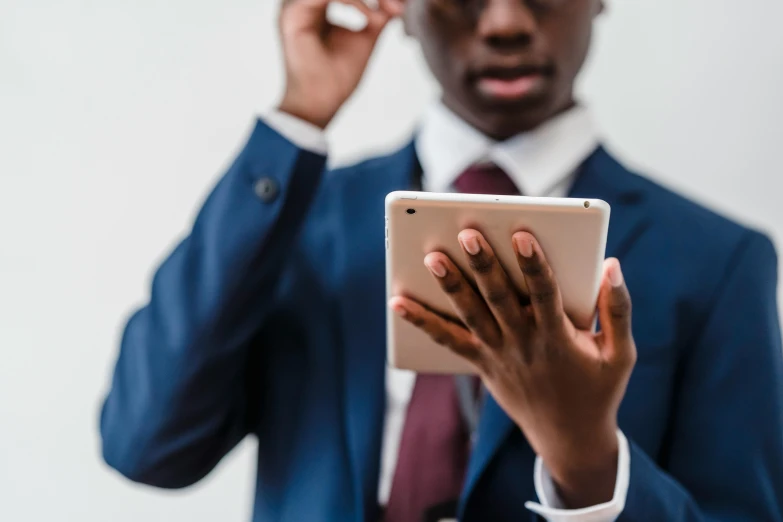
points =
(176, 404)
(643, 492)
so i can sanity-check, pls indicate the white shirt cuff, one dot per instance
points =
(303, 134)
(552, 508)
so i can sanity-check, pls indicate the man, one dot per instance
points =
(269, 318)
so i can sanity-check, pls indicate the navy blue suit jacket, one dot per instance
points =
(268, 319)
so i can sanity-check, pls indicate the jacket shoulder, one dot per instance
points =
(694, 223)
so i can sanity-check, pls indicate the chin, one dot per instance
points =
(503, 118)
(502, 121)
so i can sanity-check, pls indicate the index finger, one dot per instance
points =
(545, 297)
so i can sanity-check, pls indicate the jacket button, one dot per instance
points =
(267, 190)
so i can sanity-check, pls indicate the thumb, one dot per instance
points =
(614, 313)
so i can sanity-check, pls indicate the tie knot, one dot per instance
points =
(486, 179)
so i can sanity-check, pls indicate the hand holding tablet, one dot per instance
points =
(496, 304)
(572, 232)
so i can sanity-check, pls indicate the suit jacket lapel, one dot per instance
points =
(599, 177)
(363, 316)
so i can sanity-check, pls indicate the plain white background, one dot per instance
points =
(116, 117)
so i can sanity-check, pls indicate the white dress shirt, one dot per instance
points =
(542, 162)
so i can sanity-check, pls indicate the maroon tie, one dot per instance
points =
(435, 442)
(486, 179)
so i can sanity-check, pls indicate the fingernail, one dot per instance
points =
(436, 266)
(398, 309)
(524, 246)
(616, 276)
(471, 244)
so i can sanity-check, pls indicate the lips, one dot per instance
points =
(511, 83)
(510, 89)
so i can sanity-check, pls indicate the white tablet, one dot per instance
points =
(572, 233)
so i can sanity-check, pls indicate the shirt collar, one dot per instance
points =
(536, 161)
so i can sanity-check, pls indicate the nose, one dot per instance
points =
(506, 23)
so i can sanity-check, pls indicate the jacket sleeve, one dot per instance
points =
(177, 402)
(724, 457)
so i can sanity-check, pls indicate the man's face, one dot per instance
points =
(505, 66)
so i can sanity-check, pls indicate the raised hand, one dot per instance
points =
(324, 62)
